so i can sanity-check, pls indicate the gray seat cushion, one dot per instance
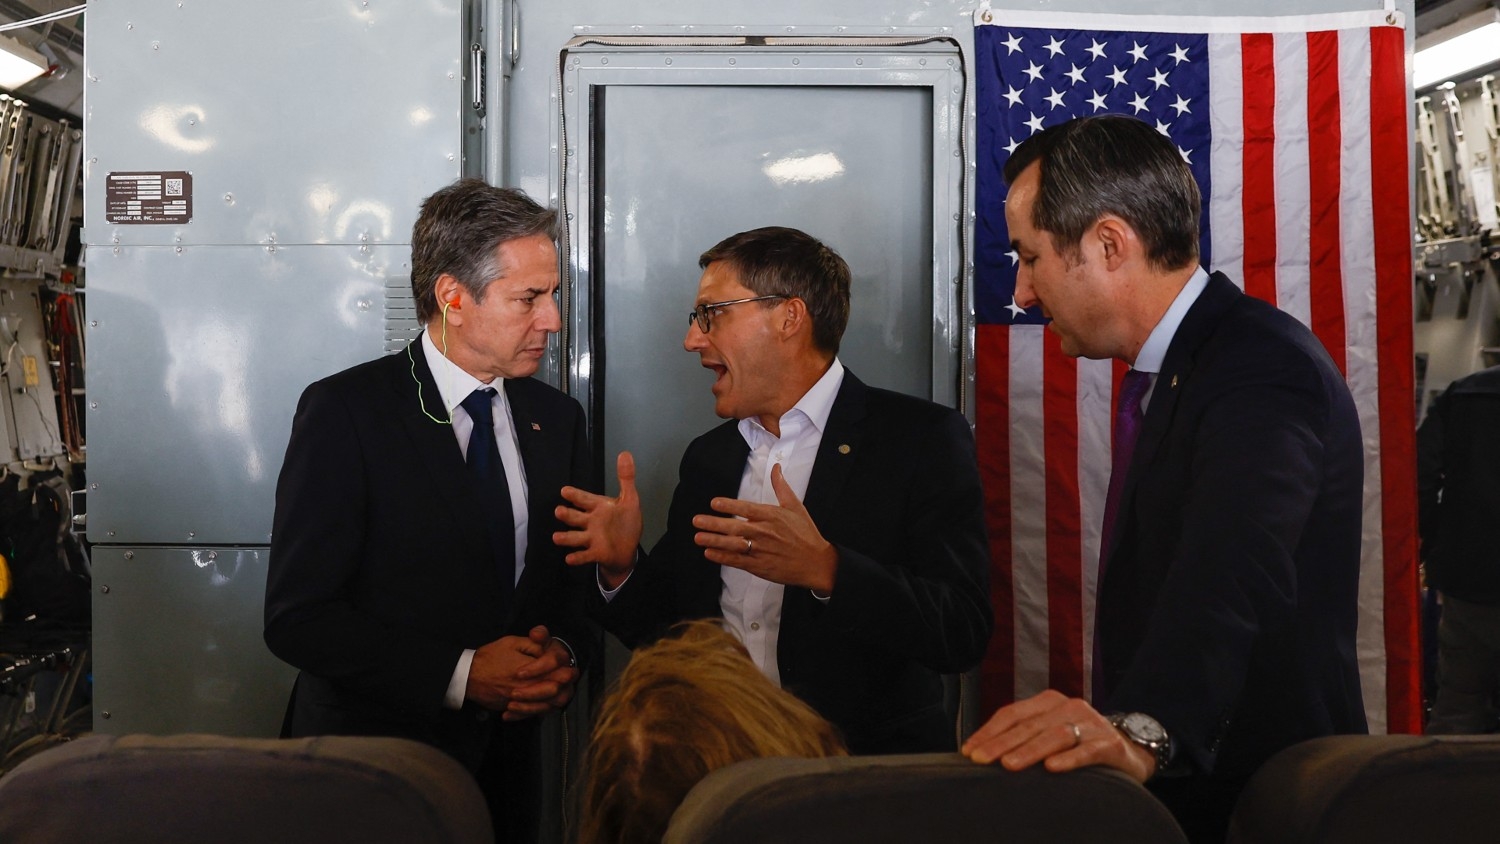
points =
(926, 797)
(226, 790)
(1375, 789)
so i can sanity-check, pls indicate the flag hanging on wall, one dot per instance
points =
(1296, 130)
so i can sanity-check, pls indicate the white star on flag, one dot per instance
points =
(1179, 53)
(1097, 49)
(1076, 74)
(1056, 98)
(1097, 101)
(1118, 76)
(1160, 78)
(1012, 44)
(1055, 47)
(1138, 52)
(1035, 123)
(1014, 96)
(1139, 103)
(1034, 71)
(1014, 308)
(1182, 106)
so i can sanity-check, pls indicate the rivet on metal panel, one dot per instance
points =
(669, 61)
(156, 45)
(732, 62)
(130, 555)
(93, 405)
(570, 89)
(840, 28)
(213, 555)
(104, 714)
(111, 533)
(94, 160)
(922, 62)
(363, 304)
(955, 216)
(859, 61)
(93, 486)
(637, 27)
(130, 26)
(271, 250)
(192, 535)
(950, 63)
(570, 215)
(178, 249)
(791, 29)
(957, 153)
(104, 590)
(450, 156)
(229, 198)
(603, 60)
(796, 61)
(450, 74)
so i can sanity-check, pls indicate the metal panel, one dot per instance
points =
(688, 147)
(177, 643)
(196, 360)
(293, 118)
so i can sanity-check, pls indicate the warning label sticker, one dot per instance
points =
(153, 198)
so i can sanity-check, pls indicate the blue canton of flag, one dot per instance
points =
(1029, 79)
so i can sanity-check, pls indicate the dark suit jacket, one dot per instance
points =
(1228, 608)
(896, 489)
(1458, 489)
(381, 570)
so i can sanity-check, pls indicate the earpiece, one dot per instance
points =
(454, 303)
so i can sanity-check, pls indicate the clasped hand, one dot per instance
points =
(522, 677)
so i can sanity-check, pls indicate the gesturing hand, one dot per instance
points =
(606, 530)
(778, 542)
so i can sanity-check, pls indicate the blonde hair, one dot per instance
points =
(682, 708)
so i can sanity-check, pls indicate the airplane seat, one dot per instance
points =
(1374, 789)
(921, 797)
(140, 788)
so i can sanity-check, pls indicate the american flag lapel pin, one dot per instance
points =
(535, 427)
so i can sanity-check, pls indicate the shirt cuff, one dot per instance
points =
(609, 594)
(457, 686)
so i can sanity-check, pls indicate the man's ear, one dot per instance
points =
(1117, 241)
(794, 317)
(449, 293)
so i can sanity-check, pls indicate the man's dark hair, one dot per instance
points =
(778, 260)
(458, 231)
(1117, 165)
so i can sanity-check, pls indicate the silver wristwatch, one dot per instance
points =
(1145, 731)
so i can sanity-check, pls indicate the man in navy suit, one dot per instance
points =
(1226, 609)
(413, 579)
(838, 529)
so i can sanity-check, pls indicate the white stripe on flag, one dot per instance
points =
(1028, 489)
(1293, 209)
(1095, 391)
(1226, 205)
(1358, 246)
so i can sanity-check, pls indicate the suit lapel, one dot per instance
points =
(838, 449)
(437, 448)
(1176, 371)
(539, 460)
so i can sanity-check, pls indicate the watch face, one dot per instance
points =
(1144, 727)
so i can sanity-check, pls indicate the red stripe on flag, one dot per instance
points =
(1389, 147)
(1324, 153)
(1064, 534)
(1258, 57)
(997, 685)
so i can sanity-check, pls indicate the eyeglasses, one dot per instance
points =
(701, 314)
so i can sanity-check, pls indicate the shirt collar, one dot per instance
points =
(1154, 352)
(816, 404)
(453, 383)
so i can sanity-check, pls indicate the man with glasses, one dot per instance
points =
(838, 529)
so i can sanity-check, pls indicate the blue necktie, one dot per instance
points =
(483, 457)
(1127, 430)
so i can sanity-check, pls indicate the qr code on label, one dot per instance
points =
(174, 187)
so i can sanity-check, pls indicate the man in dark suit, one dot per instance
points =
(836, 528)
(412, 575)
(1227, 603)
(1458, 495)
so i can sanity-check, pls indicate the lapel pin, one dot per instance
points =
(844, 449)
(536, 427)
(1174, 382)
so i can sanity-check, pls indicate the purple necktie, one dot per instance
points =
(1127, 430)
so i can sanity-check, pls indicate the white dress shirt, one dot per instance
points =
(752, 605)
(1153, 352)
(455, 385)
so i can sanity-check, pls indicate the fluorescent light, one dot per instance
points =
(19, 63)
(1465, 45)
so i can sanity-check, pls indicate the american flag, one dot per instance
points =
(1296, 129)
